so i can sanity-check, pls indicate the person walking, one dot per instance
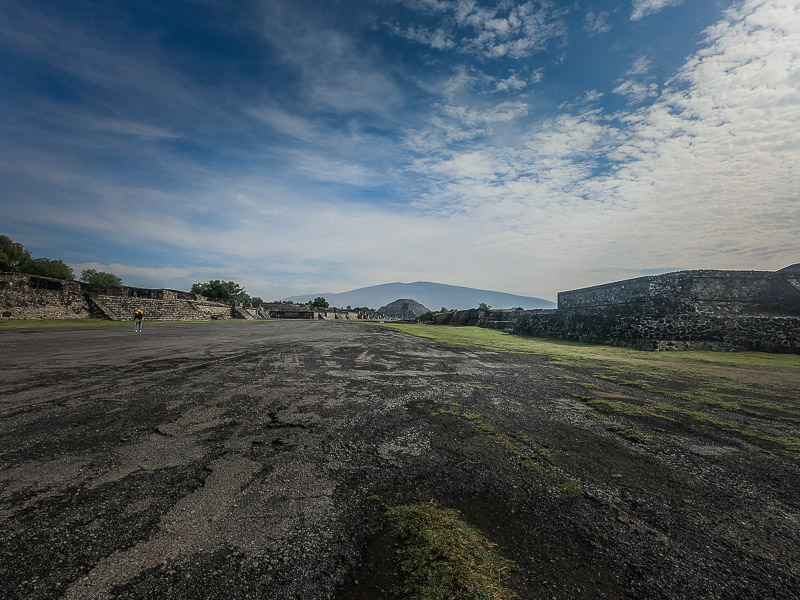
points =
(138, 317)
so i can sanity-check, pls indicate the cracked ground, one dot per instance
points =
(255, 460)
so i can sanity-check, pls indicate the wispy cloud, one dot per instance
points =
(639, 87)
(155, 273)
(335, 73)
(635, 91)
(438, 39)
(597, 22)
(506, 30)
(506, 111)
(644, 8)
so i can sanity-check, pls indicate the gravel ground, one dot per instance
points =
(252, 460)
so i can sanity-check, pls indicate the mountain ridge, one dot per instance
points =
(429, 293)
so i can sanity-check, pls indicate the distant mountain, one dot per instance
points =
(434, 295)
(404, 308)
(791, 269)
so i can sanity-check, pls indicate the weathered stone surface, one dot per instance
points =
(31, 297)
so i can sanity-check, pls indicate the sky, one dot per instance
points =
(303, 146)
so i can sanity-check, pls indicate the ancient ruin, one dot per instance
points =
(32, 297)
(685, 310)
(403, 309)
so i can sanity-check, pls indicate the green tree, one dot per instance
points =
(46, 267)
(227, 291)
(256, 301)
(100, 277)
(13, 257)
(319, 302)
(484, 306)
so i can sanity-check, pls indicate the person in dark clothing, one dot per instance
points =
(138, 317)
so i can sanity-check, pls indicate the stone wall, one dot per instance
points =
(713, 310)
(284, 310)
(735, 292)
(31, 297)
(698, 331)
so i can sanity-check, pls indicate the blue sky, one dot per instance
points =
(302, 146)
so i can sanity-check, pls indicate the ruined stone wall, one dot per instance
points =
(735, 292)
(698, 331)
(31, 297)
(122, 308)
(715, 310)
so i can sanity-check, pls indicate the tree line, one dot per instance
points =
(14, 258)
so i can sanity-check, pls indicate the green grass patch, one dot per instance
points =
(589, 386)
(442, 557)
(784, 445)
(703, 386)
(631, 434)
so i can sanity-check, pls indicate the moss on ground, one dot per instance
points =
(442, 557)
(515, 443)
(631, 434)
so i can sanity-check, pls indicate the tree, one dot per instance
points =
(46, 267)
(484, 306)
(256, 301)
(100, 277)
(227, 291)
(319, 302)
(13, 257)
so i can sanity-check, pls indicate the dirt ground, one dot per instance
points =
(254, 460)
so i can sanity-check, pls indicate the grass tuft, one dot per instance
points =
(631, 434)
(443, 557)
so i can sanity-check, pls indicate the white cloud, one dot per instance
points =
(640, 66)
(156, 273)
(438, 39)
(636, 92)
(597, 22)
(644, 8)
(506, 111)
(639, 87)
(511, 83)
(506, 30)
(581, 102)
(322, 168)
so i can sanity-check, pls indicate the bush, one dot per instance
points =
(100, 277)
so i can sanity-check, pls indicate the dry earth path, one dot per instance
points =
(254, 460)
